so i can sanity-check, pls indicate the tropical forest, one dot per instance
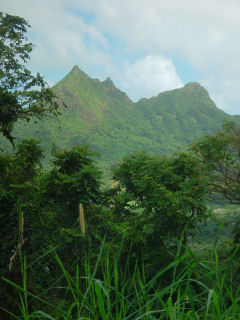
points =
(112, 209)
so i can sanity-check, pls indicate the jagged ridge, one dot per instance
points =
(103, 116)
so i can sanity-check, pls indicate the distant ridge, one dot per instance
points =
(104, 117)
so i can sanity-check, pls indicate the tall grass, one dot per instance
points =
(186, 288)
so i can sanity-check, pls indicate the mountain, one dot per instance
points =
(181, 115)
(101, 115)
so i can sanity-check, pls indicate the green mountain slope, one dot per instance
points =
(181, 115)
(104, 117)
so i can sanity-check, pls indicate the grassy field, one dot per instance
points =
(192, 286)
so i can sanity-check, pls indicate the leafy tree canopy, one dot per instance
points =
(22, 166)
(220, 157)
(22, 95)
(169, 191)
(74, 178)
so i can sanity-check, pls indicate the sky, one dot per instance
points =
(144, 46)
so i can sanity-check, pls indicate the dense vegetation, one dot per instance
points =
(72, 248)
(59, 219)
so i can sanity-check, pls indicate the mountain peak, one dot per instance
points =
(101, 115)
(77, 71)
(196, 89)
(75, 68)
(193, 85)
(108, 82)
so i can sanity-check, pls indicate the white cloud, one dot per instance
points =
(225, 93)
(195, 28)
(202, 32)
(62, 39)
(148, 76)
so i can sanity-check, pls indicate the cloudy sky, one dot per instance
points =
(145, 46)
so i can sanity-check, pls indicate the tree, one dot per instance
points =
(17, 174)
(22, 95)
(74, 178)
(164, 199)
(219, 155)
(169, 193)
(49, 201)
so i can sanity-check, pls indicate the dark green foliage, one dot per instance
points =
(22, 95)
(74, 179)
(150, 206)
(17, 173)
(49, 201)
(199, 288)
(9, 111)
(78, 163)
(227, 221)
(220, 156)
(169, 191)
(159, 199)
(23, 166)
(155, 201)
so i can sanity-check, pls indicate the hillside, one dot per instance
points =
(104, 117)
(181, 115)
